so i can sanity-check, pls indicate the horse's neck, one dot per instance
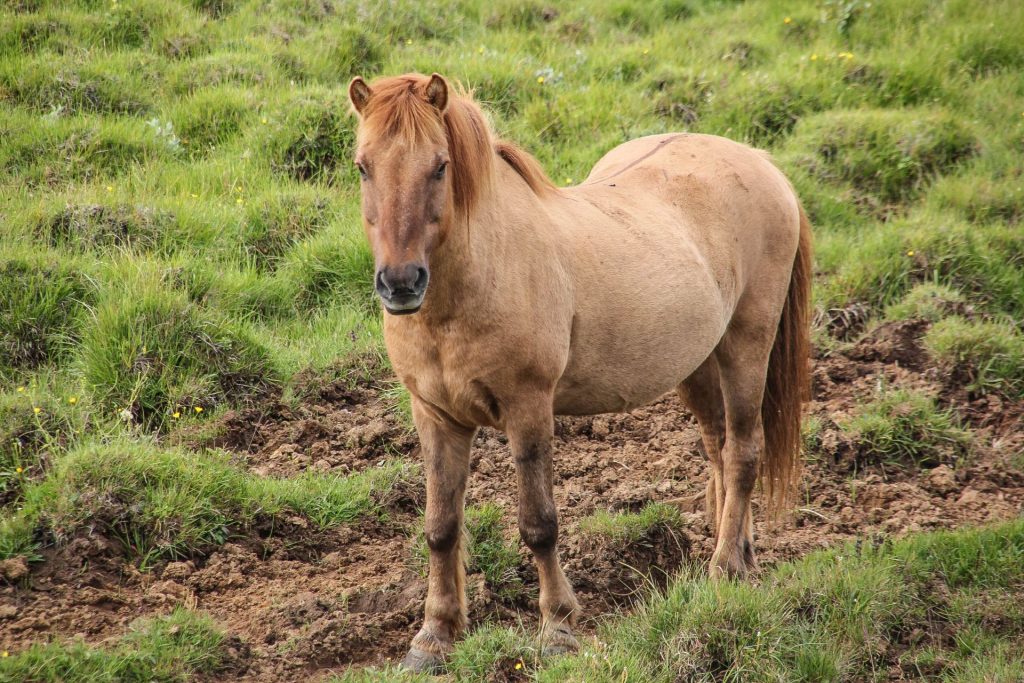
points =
(473, 268)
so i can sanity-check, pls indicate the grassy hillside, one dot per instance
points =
(180, 235)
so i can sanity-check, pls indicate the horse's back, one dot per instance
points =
(671, 231)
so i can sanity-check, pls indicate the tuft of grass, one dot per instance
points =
(37, 421)
(987, 356)
(887, 156)
(900, 425)
(41, 311)
(176, 647)
(170, 502)
(159, 354)
(875, 267)
(927, 301)
(314, 140)
(629, 527)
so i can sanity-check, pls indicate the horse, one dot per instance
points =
(682, 262)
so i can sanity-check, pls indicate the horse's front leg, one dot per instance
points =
(530, 434)
(445, 446)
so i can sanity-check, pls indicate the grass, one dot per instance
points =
(162, 503)
(175, 647)
(630, 527)
(985, 355)
(900, 425)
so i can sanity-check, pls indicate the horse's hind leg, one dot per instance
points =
(743, 362)
(702, 393)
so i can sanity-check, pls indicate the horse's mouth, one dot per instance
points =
(405, 305)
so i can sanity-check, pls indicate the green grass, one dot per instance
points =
(169, 502)
(926, 301)
(986, 355)
(171, 648)
(900, 425)
(629, 527)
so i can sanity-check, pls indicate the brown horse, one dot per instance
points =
(682, 262)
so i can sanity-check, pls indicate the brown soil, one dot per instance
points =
(301, 603)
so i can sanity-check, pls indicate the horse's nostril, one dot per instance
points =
(421, 279)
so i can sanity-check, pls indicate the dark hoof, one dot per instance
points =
(559, 641)
(423, 662)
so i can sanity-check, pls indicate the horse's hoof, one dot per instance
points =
(423, 662)
(559, 642)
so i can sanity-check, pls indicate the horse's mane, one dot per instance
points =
(399, 107)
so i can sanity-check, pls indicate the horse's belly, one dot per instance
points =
(620, 364)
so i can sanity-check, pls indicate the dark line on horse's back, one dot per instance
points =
(661, 145)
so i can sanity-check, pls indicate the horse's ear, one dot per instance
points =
(359, 93)
(437, 92)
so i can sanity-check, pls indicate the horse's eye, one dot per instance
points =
(362, 171)
(439, 173)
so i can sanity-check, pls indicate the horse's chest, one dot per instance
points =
(449, 376)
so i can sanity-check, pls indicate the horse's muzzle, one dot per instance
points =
(402, 288)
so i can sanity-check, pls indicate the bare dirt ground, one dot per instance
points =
(301, 603)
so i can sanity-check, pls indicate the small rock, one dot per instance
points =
(178, 571)
(942, 480)
(969, 496)
(13, 569)
(8, 611)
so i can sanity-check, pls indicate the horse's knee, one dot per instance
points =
(539, 530)
(443, 533)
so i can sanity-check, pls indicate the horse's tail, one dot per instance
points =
(788, 381)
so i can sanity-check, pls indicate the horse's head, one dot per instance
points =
(403, 156)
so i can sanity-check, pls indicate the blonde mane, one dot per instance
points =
(399, 107)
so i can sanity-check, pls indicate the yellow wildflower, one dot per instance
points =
(238, 201)
(5, 654)
(408, 41)
(194, 195)
(910, 253)
(263, 120)
(568, 181)
(646, 51)
(73, 400)
(21, 389)
(540, 79)
(176, 414)
(519, 665)
(199, 409)
(19, 470)
(814, 58)
(110, 188)
(480, 50)
(37, 410)
(787, 20)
